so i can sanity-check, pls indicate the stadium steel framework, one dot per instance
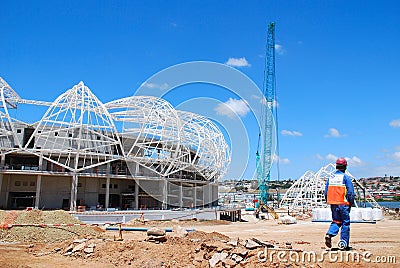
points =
(132, 153)
(307, 192)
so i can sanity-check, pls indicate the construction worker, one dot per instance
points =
(339, 193)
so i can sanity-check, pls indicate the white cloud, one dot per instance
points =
(395, 123)
(284, 161)
(232, 107)
(263, 100)
(351, 161)
(291, 133)
(279, 49)
(354, 161)
(255, 97)
(238, 62)
(333, 133)
(281, 160)
(396, 156)
(163, 86)
(331, 157)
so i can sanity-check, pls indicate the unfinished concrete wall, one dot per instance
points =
(54, 190)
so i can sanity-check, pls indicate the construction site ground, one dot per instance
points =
(255, 243)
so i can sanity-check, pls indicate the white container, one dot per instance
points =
(367, 214)
(316, 214)
(356, 214)
(377, 214)
(322, 214)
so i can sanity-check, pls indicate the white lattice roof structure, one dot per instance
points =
(307, 192)
(9, 99)
(78, 132)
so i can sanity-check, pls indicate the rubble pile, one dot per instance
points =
(43, 234)
(196, 249)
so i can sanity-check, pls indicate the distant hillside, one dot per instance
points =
(383, 188)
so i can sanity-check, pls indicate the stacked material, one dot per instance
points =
(356, 214)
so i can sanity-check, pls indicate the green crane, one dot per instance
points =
(264, 161)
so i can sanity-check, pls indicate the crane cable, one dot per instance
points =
(275, 103)
(263, 105)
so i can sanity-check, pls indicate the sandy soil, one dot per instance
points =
(381, 240)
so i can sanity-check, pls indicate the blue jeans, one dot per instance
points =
(340, 219)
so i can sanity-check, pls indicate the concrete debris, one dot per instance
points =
(180, 231)
(79, 247)
(240, 252)
(233, 243)
(265, 244)
(237, 258)
(287, 220)
(79, 241)
(88, 250)
(69, 248)
(85, 246)
(43, 253)
(217, 257)
(91, 245)
(229, 263)
(216, 245)
(199, 248)
(250, 244)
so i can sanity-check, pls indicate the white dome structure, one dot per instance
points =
(138, 138)
(307, 192)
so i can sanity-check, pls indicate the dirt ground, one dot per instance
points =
(257, 243)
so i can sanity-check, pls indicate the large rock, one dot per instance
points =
(156, 232)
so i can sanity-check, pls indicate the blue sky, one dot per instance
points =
(337, 68)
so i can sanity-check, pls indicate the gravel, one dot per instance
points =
(44, 234)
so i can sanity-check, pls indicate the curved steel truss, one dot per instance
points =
(307, 192)
(79, 132)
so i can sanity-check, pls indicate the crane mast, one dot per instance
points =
(264, 161)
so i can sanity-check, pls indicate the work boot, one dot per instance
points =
(328, 241)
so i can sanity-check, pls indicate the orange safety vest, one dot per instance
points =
(337, 190)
